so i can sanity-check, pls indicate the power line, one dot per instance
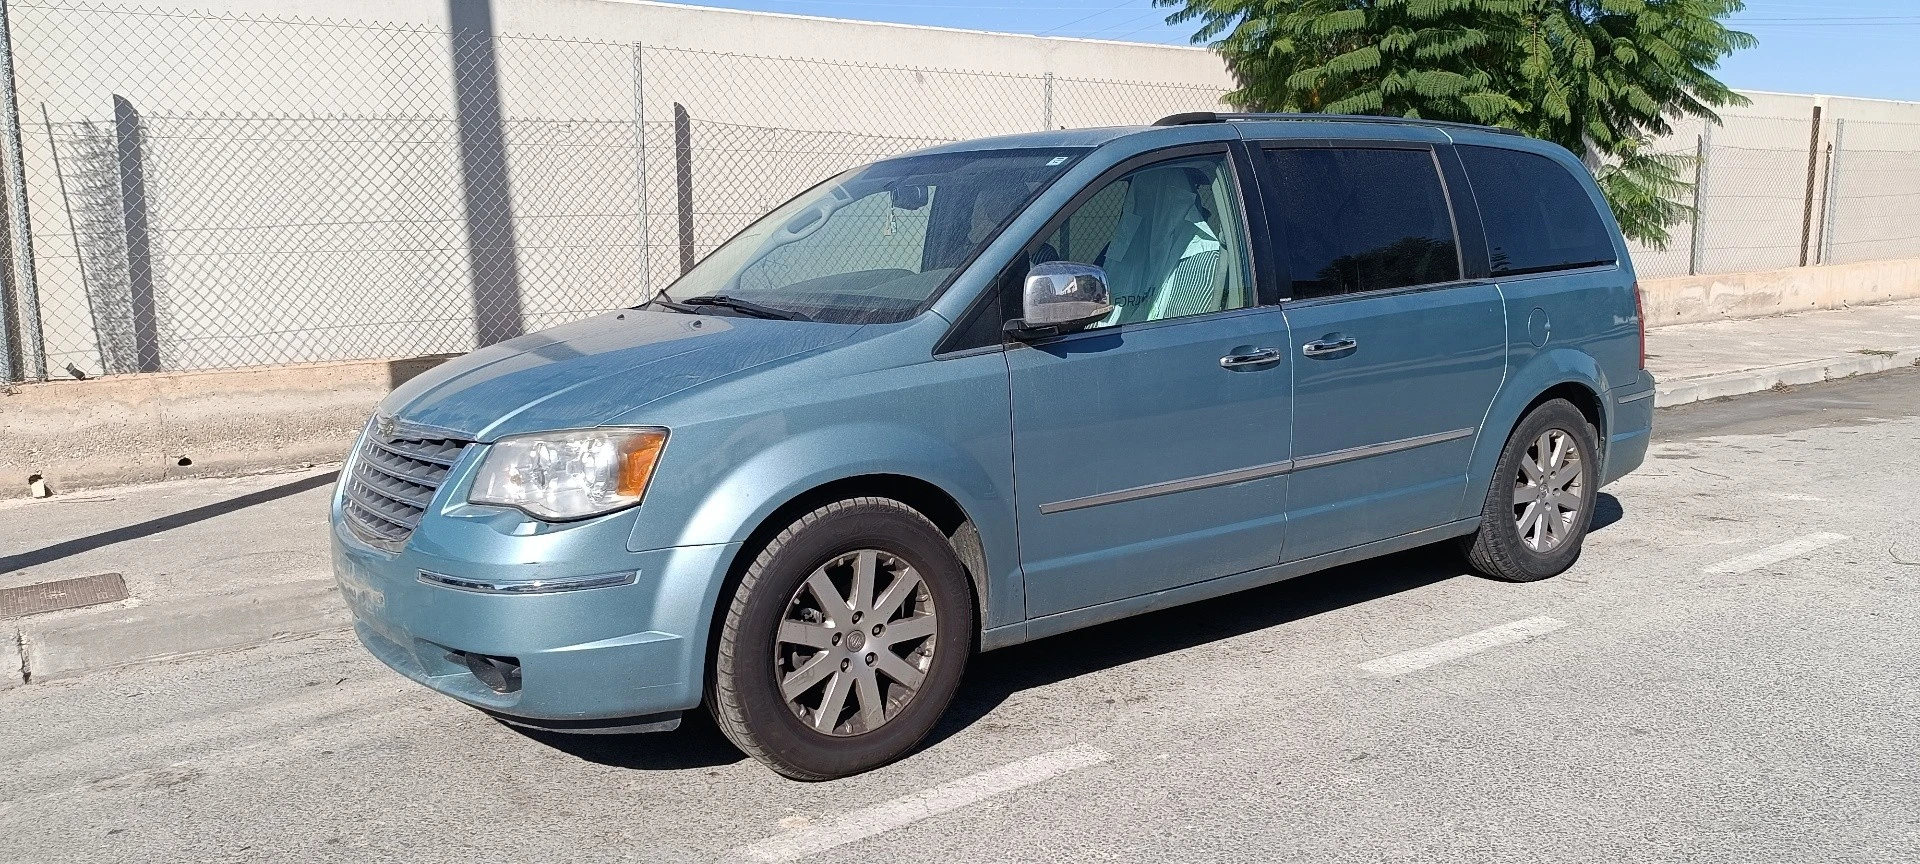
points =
(1116, 7)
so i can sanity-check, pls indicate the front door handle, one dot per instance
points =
(1257, 357)
(1329, 346)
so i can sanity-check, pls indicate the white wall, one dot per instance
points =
(308, 198)
(304, 169)
(1755, 193)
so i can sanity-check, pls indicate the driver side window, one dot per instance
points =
(1169, 237)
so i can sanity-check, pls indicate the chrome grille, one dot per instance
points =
(390, 482)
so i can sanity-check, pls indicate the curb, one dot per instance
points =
(12, 672)
(118, 637)
(1685, 391)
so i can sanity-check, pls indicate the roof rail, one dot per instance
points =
(1193, 117)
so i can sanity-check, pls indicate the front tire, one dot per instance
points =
(844, 641)
(1540, 503)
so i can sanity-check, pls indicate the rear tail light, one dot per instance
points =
(1640, 319)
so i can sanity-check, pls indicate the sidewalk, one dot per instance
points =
(1693, 362)
(212, 564)
(208, 564)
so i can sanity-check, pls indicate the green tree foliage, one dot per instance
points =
(1599, 77)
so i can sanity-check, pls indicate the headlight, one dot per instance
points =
(570, 475)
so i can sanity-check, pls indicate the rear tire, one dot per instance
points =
(1540, 503)
(844, 642)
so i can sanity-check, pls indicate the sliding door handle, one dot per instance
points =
(1257, 357)
(1329, 346)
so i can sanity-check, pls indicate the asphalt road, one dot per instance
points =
(1730, 673)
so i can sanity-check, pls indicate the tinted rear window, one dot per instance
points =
(1356, 219)
(1537, 215)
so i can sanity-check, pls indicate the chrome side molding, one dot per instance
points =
(1257, 472)
(1351, 453)
(1151, 490)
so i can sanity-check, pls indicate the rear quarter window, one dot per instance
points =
(1538, 216)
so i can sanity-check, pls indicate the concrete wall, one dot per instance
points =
(346, 179)
(1754, 196)
(141, 428)
(1691, 299)
(316, 185)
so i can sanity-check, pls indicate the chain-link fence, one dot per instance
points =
(1773, 192)
(211, 190)
(217, 190)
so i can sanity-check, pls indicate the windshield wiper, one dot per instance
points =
(663, 301)
(748, 306)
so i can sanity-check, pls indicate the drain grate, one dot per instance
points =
(63, 594)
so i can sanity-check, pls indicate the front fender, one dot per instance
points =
(787, 467)
(1547, 369)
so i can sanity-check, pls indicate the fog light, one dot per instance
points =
(500, 674)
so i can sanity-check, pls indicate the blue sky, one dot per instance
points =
(1844, 48)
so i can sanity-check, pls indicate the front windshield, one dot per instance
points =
(873, 244)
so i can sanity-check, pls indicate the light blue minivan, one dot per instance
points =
(994, 391)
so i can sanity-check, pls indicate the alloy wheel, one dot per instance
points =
(1549, 491)
(855, 642)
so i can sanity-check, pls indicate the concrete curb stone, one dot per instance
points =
(1685, 391)
(10, 668)
(117, 637)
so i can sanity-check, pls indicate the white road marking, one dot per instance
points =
(306, 707)
(402, 722)
(900, 812)
(1775, 554)
(1472, 643)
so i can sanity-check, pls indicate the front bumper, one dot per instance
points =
(600, 654)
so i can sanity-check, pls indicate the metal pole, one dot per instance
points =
(683, 181)
(73, 230)
(1828, 210)
(1820, 234)
(640, 172)
(1697, 253)
(17, 215)
(1813, 173)
(1046, 102)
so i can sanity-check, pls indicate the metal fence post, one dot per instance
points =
(1046, 102)
(1813, 173)
(1696, 252)
(26, 281)
(683, 181)
(1832, 204)
(640, 171)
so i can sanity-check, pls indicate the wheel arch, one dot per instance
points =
(925, 497)
(1564, 374)
(1582, 397)
(928, 499)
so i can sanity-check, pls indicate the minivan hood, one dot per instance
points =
(587, 373)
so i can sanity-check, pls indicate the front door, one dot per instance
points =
(1150, 449)
(1396, 357)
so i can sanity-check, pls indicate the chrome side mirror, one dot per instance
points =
(1060, 297)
